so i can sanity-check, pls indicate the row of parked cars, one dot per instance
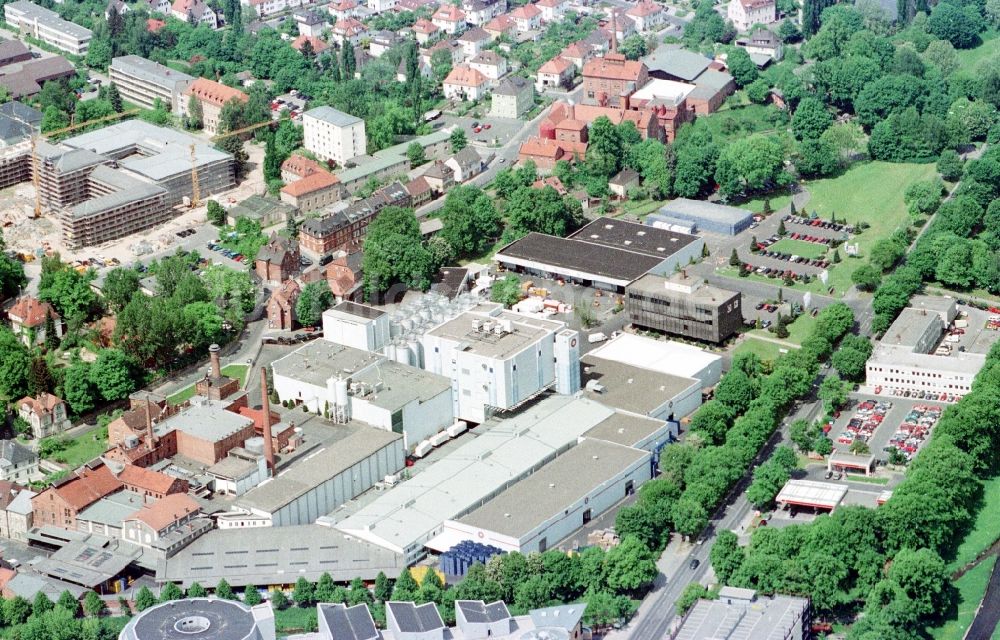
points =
(308, 333)
(918, 394)
(778, 255)
(822, 224)
(772, 272)
(805, 237)
(916, 427)
(229, 253)
(866, 419)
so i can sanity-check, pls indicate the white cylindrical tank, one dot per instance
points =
(402, 352)
(390, 351)
(340, 392)
(416, 351)
(254, 445)
(439, 438)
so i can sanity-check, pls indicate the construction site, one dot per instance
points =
(98, 188)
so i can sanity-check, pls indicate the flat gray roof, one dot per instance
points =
(275, 555)
(113, 509)
(333, 116)
(680, 63)
(633, 236)
(626, 429)
(314, 469)
(149, 71)
(714, 79)
(317, 361)
(570, 254)
(525, 331)
(401, 385)
(701, 292)
(231, 468)
(631, 388)
(909, 327)
(126, 190)
(761, 619)
(205, 419)
(684, 207)
(546, 493)
(50, 19)
(228, 620)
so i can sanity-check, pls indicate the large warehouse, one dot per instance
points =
(664, 356)
(408, 516)
(641, 392)
(709, 216)
(605, 254)
(564, 495)
(316, 485)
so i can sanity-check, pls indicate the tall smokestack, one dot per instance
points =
(265, 406)
(614, 32)
(213, 353)
(149, 426)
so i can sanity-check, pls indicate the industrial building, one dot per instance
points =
(642, 392)
(115, 181)
(908, 359)
(356, 325)
(683, 304)
(709, 216)
(739, 613)
(203, 618)
(143, 82)
(320, 482)
(46, 25)
(551, 504)
(498, 359)
(409, 516)
(606, 254)
(349, 383)
(663, 356)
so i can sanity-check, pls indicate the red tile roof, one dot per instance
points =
(644, 9)
(465, 76)
(89, 486)
(31, 312)
(310, 184)
(41, 404)
(525, 12)
(614, 66)
(551, 181)
(147, 479)
(166, 511)
(153, 25)
(556, 66)
(551, 3)
(214, 92)
(417, 186)
(302, 166)
(449, 13)
(572, 125)
(349, 27)
(541, 147)
(575, 51)
(424, 25)
(285, 296)
(317, 44)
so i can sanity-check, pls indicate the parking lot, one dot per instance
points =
(500, 129)
(887, 425)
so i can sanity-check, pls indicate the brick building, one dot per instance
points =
(278, 260)
(150, 484)
(213, 96)
(281, 306)
(610, 79)
(60, 504)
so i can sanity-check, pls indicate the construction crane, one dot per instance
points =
(35, 173)
(253, 127)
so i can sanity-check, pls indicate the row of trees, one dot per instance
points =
(726, 434)
(65, 619)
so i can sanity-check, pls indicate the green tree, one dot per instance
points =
(224, 590)
(279, 600)
(415, 152)
(749, 165)
(758, 91)
(53, 119)
(540, 210)
(471, 222)
(851, 356)
(817, 158)
(383, 588)
(251, 596)
(689, 516)
(144, 599)
(866, 277)
(194, 118)
(631, 566)
(170, 591)
(406, 588)
(949, 22)
(215, 214)
(315, 298)
(633, 47)
(120, 284)
(229, 287)
(691, 594)
(734, 259)
(506, 291)
(39, 377)
(950, 166)
(924, 196)
(272, 160)
(114, 374)
(604, 148)
(93, 605)
(78, 390)
(394, 254)
(742, 68)
(833, 393)
(68, 602)
(726, 555)
(768, 479)
(458, 140)
(16, 610)
(196, 591)
(811, 119)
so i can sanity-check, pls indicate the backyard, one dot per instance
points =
(238, 371)
(73, 452)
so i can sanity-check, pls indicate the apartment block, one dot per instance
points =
(334, 135)
(143, 82)
(213, 96)
(45, 25)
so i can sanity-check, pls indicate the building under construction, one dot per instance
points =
(115, 181)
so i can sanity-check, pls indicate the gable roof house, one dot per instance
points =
(557, 73)
(449, 19)
(473, 41)
(424, 30)
(552, 10)
(465, 83)
(196, 10)
(513, 97)
(648, 16)
(527, 17)
(278, 260)
(28, 318)
(349, 30)
(490, 64)
(466, 164)
(281, 306)
(501, 26)
(18, 463)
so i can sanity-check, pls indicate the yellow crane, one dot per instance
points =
(195, 187)
(35, 177)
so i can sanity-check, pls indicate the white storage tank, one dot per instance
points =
(440, 438)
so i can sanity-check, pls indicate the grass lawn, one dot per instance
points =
(778, 202)
(294, 619)
(802, 248)
(642, 208)
(238, 371)
(83, 448)
(968, 59)
(764, 350)
(985, 530)
(741, 120)
(797, 331)
(971, 588)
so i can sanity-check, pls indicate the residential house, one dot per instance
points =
(18, 463)
(512, 98)
(502, 26)
(454, 50)
(16, 518)
(195, 10)
(647, 16)
(382, 41)
(552, 10)
(25, 79)
(762, 43)
(545, 152)
(424, 30)
(212, 96)
(626, 180)
(310, 22)
(465, 83)
(378, 6)
(264, 8)
(297, 166)
(611, 79)
(466, 164)
(557, 73)
(746, 13)
(313, 192)
(343, 9)
(490, 64)
(317, 45)
(479, 12)
(449, 19)
(473, 42)
(577, 53)
(440, 177)
(349, 30)
(119, 7)
(281, 306)
(423, 67)
(28, 318)
(344, 277)
(334, 135)
(60, 504)
(527, 17)
(420, 191)
(624, 25)
(161, 7)
(278, 260)
(599, 40)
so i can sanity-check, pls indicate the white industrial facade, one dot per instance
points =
(406, 517)
(564, 495)
(498, 359)
(356, 325)
(641, 392)
(322, 481)
(664, 356)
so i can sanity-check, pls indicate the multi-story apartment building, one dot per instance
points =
(143, 82)
(683, 305)
(213, 96)
(334, 135)
(746, 13)
(45, 25)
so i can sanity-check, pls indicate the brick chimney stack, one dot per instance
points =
(213, 353)
(150, 442)
(265, 406)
